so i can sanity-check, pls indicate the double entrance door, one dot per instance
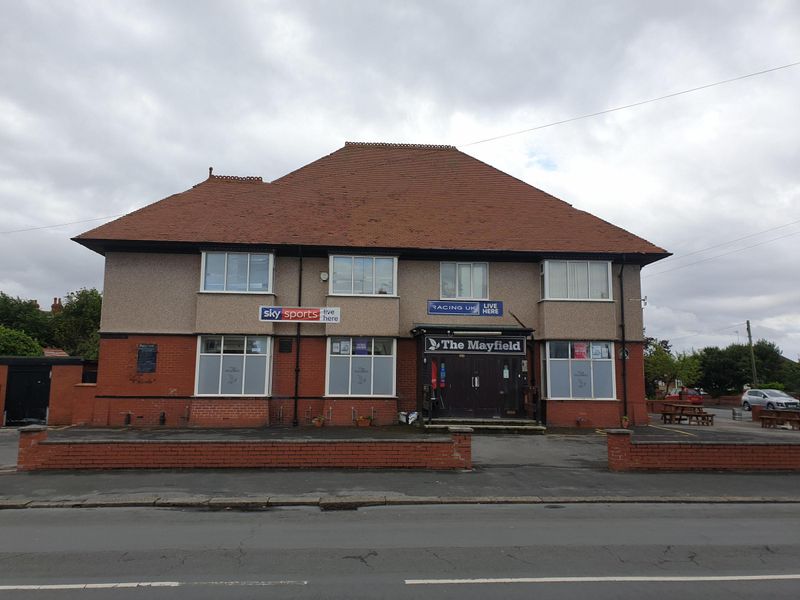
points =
(27, 395)
(477, 386)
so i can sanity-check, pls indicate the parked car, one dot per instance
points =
(685, 396)
(769, 399)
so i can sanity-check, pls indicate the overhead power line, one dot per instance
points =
(632, 105)
(59, 224)
(721, 255)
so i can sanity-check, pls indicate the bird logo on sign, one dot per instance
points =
(433, 345)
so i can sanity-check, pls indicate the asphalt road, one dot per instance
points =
(625, 551)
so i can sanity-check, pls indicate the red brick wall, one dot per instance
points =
(3, 386)
(35, 453)
(406, 375)
(637, 398)
(229, 412)
(313, 355)
(175, 364)
(624, 455)
(63, 379)
(584, 413)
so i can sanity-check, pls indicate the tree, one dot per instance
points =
(25, 315)
(659, 365)
(76, 327)
(17, 343)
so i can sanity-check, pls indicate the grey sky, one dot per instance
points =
(106, 106)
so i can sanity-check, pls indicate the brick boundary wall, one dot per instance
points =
(36, 452)
(626, 455)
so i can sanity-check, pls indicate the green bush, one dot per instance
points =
(18, 343)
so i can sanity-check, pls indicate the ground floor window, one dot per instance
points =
(579, 370)
(361, 366)
(233, 365)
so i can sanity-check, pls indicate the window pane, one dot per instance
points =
(214, 277)
(233, 344)
(383, 376)
(480, 284)
(465, 281)
(361, 376)
(362, 346)
(236, 279)
(558, 279)
(448, 275)
(259, 272)
(208, 375)
(558, 371)
(257, 344)
(578, 280)
(232, 367)
(343, 275)
(384, 276)
(601, 350)
(559, 349)
(383, 346)
(340, 345)
(362, 276)
(580, 350)
(581, 379)
(603, 383)
(211, 344)
(255, 375)
(338, 375)
(598, 280)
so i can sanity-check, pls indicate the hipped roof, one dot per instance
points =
(388, 196)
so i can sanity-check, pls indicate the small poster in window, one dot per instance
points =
(580, 350)
(345, 347)
(599, 351)
(335, 347)
(361, 346)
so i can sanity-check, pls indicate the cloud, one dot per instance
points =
(110, 106)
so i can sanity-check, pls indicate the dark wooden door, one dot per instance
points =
(457, 395)
(27, 395)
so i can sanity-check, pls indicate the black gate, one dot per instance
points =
(27, 394)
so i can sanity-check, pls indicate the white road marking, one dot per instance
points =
(142, 584)
(620, 579)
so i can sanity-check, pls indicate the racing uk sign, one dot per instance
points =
(325, 314)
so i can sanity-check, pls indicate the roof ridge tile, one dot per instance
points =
(406, 146)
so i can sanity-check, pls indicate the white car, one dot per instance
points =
(769, 399)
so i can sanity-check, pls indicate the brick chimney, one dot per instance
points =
(56, 307)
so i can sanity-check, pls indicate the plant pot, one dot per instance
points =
(362, 422)
(318, 422)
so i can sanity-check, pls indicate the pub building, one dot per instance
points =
(380, 279)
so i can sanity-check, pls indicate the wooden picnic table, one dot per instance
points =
(773, 418)
(691, 413)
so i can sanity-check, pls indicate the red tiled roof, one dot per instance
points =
(364, 195)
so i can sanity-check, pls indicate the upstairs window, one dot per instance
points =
(469, 281)
(363, 275)
(576, 280)
(242, 272)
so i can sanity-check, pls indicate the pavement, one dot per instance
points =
(557, 468)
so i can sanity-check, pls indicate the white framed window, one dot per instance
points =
(363, 275)
(464, 280)
(233, 365)
(360, 366)
(580, 370)
(237, 272)
(576, 280)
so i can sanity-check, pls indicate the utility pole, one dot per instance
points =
(752, 355)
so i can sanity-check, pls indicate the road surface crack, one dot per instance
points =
(442, 558)
(363, 557)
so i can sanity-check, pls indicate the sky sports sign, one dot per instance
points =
(325, 314)
(474, 308)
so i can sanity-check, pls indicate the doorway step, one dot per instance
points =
(524, 426)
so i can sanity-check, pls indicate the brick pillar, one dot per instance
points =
(462, 445)
(619, 449)
(29, 438)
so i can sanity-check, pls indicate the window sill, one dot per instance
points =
(352, 397)
(583, 399)
(608, 300)
(466, 300)
(363, 295)
(222, 396)
(242, 293)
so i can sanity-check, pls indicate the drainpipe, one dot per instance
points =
(295, 420)
(624, 348)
